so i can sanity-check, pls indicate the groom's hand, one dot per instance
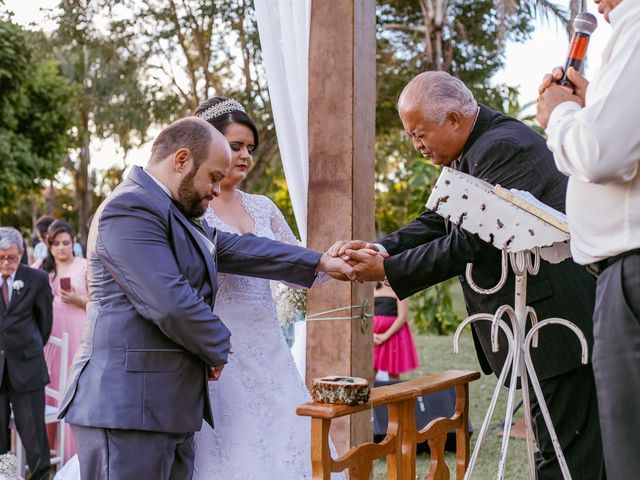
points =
(215, 372)
(368, 264)
(336, 268)
(339, 248)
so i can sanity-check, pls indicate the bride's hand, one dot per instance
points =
(215, 372)
(336, 268)
(339, 248)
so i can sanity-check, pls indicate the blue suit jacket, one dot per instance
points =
(151, 328)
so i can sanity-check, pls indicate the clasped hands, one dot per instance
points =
(364, 261)
(551, 94)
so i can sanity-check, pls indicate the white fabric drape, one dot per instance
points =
(284, 26)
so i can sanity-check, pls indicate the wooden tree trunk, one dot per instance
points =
(82, 181)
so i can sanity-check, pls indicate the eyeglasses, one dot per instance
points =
(9, 258)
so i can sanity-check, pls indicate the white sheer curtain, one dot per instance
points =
(283, 26)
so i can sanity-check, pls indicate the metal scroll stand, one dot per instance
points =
(525, 233)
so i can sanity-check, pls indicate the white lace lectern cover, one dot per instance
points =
(509, 220)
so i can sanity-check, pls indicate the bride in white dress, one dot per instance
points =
(257, 434)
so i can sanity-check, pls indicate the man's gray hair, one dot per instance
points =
(10, 236)
(438, 93)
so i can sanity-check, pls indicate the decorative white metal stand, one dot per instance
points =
(525, 233)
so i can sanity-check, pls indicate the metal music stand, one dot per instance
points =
(526, 231)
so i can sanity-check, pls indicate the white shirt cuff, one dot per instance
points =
(380, 248)
(565, 108)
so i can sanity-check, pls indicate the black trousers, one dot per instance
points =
(112, 454)
(616, 365)
(28, 412)
(573, 407)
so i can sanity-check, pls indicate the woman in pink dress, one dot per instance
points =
(394, 351)
(68, 280)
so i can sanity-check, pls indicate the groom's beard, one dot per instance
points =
(189, 200)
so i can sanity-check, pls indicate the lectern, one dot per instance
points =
(527, 232)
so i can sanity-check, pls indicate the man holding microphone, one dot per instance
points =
(594, 133)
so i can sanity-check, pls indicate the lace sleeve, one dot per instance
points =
(280, 227)
(283, 233)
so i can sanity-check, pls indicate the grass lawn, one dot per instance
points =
(436, 354)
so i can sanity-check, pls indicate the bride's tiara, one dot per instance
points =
(222, 108)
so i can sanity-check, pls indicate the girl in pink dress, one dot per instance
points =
(68, 280)
(394, 351)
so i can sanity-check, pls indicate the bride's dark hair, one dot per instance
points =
(226, 118)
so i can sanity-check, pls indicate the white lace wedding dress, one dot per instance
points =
(257, 434)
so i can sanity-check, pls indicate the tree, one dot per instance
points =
(114, 99)
(35, 115)
(205, 49)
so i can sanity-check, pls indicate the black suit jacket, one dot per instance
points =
(24, 329)
(500, 150)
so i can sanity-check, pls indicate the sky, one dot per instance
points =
(526, 63)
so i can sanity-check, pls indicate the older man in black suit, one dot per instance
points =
(25, 325)
(447, 126)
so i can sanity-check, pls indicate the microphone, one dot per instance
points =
(583, 25)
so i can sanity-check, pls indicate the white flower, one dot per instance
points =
(17, 285)
(290, 302)
(8, 466)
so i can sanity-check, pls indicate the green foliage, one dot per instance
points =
(101, 56)
(432, 310)
(403, 181)
(526, 114)
(205, 49)
(402, 190)
(436, 355)
(273, 184)
(472, 49)
(35, 115)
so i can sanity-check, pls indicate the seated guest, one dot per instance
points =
(25, 314)
(68, 280)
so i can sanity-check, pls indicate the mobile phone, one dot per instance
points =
(65, 283)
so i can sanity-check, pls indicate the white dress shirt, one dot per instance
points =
(10, 280)
(598, 147)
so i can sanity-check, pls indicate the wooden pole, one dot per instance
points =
(342, 100)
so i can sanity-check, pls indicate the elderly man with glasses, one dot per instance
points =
(25, 324)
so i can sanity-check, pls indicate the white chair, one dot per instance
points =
(56, 392)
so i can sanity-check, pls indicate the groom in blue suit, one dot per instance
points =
(138, 390)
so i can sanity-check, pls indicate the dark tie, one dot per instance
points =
(199, 222)
(5, 290)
